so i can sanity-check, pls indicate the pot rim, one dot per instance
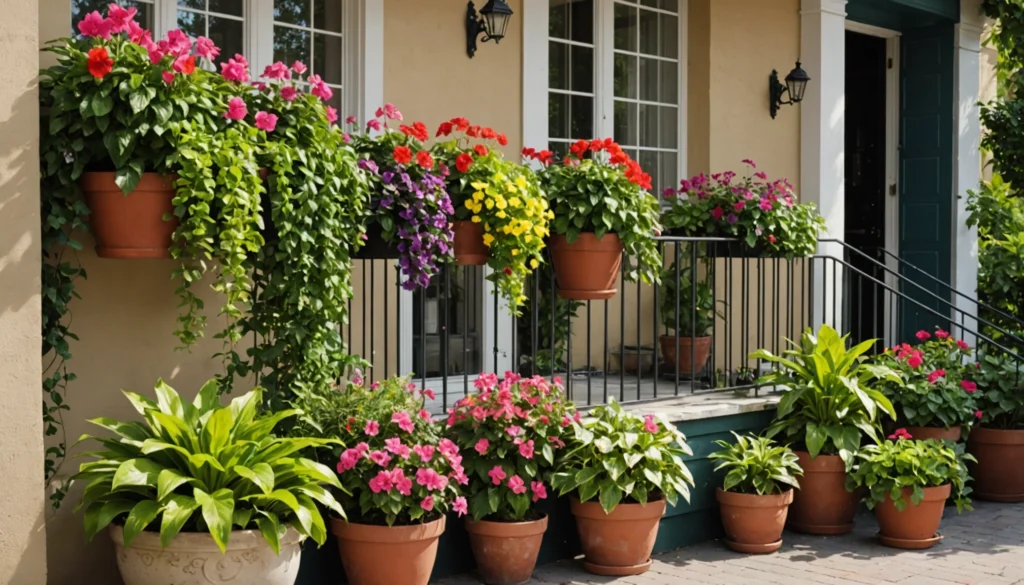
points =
(820, 464)
(357, 532)
(990, 436)
(240, 540)
(507, 529)
(671, 338)
(938, 493)
(742, 500)
(624, 512)
(104, 181)
(589, 240)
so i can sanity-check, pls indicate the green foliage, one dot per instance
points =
(1000, 221)
(828, 403)
(886, 469)
(203, 467)
(756, 465)
(696, 313)
(1001, 382)
(618, 456)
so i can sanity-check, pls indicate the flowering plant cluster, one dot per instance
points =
(510, 433)
(409, 199)
(617, 455)
(762, 213)
(936, 389)
(599, 189)
(505, 197)
(1001, 381)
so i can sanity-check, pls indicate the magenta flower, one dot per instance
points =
(431, 479)
(168, 76)
(978, 414)
(448, 448)
(119, 17)
(277, 70)
(404, 421)
(349, 458)
(424, 452)
(380, 458)
(94, 25)
(236, 109)
(497, 474)
(968, 386)
(423, 414)
(539, 491)
(923, 335)
(259, 85)
(372, 428)
(747, 161)
(381, 483)
(332, 114)
(932, 377)
(363, 447)
(963, 345)
(373, 125)
(739, 205)
(394, 445)
(427, 503)
(766, 204)
(717, 213)
(299, 67)
(402, 483)
(236, 69)
(481, 446)
(941, 334)
(206, 49)
(289, 93)
(350, 120)
(460, 505)
(266, 121)
(178, 43)
(526, 449)
(155, 55)
(517, 485)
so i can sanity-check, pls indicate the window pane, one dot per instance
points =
(79, 8)
(197, 4)
(291, 45)
(558, 19)
(672, 5)
(228, 34)
(669, 82)
(232, 7)
(195, 26)
(558, 115)
(625, 27)
(558, 65)
(581, 20)
(669, 123)
(327, 15)
(625, 122)
(668, 166)
(648, 125)
(649, 163)
(292, 12)
(582, 109)
(625, 76)
(582, 68)
(559, 148)
(648, 79)
(327, 57)
(648, 32)
(669, 35)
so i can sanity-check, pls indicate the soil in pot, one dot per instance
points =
(691, 355)
(506, 552)
(588, 268)
(915, 527)
(619, 543)
(936, 433)
(468, 243)
(999, 473)
(387, 555)
(753, 523)
(822, 505)
(130, 226)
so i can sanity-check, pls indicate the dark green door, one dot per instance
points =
(926, 172)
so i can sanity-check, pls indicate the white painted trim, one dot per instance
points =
(684, 69)
(604, 68)
(367, 91)
(873, 31)
(535, 73)
(892, 179)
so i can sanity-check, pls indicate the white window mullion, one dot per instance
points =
(260, 32)
(604, 70)
(683, 70)
(536, 15)
(165, 18)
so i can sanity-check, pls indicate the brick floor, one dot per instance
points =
(984, 547)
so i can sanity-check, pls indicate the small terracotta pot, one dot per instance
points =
(754, 523)
(999, 473)
(587, 268)
(917, 525)
(822, 505)
(619, 543)
(936, 433)
(130, 226)
(468, 243)
(506, 552)
(382, 555)
(699, 348)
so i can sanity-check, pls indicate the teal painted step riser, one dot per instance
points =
(685, 524)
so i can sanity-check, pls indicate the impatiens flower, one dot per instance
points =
(94, 25)
(941, 334)
(380, 458)
(363, 447)
(460, 505)
(424, 159)
(404, 421)
(915, 360)
(923, 335)
(155, 55)
(395, 446)
(372, 428)
(206, 49)
(236, 109)
(168, 76)
(539, 491)
(266, 121)
(401, 154)
(932, 377)
(481, 446)
(289, 93)
(391, 112)
(424, 452)
(566, 421)
(513, 431)
(526, 449)
(381, 483)
(517, 485)
(978, 414)
(332, 114)
(299, 67)
(277, 70)
(349, 458)
(402, 483)
(319, 88)
(480, 150)
(717, 213)
(119, 17)
(423, 414)
(427, 503)
(968, 386)
(99, 63)
(963, 345)
(497, 475)
(185, 65)
(236, 69)
(259, 85)
(650, 425)
(431, 479)
(900, 434)
(739, 205)
(448, 448)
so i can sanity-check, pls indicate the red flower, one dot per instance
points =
(463, 162)
(418, 130)
(424, 159)
(473, 132)
(529, 152)
(717, 213)
(507, 271)
(900, 434)
(185, 65)
(941, 334)
(934, 376)
(963, 345)
(772, 239)
(402, 155)
(597, 145)
(480, 150)
(579, 148)
(461, 124)
(977, 414)
(968, 386)
(488, 133)
(502, 139)
(100, 63)
(444, 129)
(923, 335)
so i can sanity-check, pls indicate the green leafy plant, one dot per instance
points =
(203, 467)
(887, 469)
(756, 465)
(696, 313)
(619, 456)
(1000, 379)
(829, 402)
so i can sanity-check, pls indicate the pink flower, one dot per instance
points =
(900, 434)
(372, 428)
(513, 431)
(363, 447)
(431, 479)
(526, 449)
(915, 360)
(236, 69)
(766, 204)
(357, 377)
(289, 93)
(739, 205)
(259, 85)
(185, 64)
(94, 25)
(349, 458)
(977, 414)
(381, 483)
(277, 70)
(429, 394)
(717, 213)
(941, 334)
(350, 120)
(332, 115)
(747, 161)
(236, 109)
(481, 446)
(460, 505)
(266, 121)
(517, 485)
(539, 491)
(178, 43)
(448, 448)
(139, 35)
(319, 88)
(566, 421)
(206, 49)
(155, 55)
(923, 335)
(932, 377)
(968, 386)
(402, 483)
(963, 345)
(119, 17)
(394, 445)
(424, 452)
(380, 458)
(299, 67)
(423, 414)
(168, 76)
(427, 503)
(392, 112)
(497, 474)
(404, 421)
(373, 125)
(649, 424)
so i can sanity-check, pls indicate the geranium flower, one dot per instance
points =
(404, 421)
(206, 49)
(277, 70)
(963, 345)
(539, 491)
(236, 109)
(923, 335)
(185, 65)
(423, 414)
(497, 474)
(168, 76)
(332, 114)
(372, 428)
(517, 485)
(424, 159)
(448, 448)
(299, 67)
(460, 505)
(402, 155)
(480, 150)
(94, 25)
(289, 93)
(968, 386)
(482, 446)
(119, 17)
(934, 376)
(428, 393)
(235, 69)
(99, 63)
(915, 360)
(941, 334)
(502, 139)
(650, 425)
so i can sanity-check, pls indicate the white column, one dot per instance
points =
(822, 141)
(967, 170)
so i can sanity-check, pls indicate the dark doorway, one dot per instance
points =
(865, 181)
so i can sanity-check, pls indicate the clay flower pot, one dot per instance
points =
(916, 526)
(506, 552)
(822, 505)
(587, 268)
(619, 543)
(936, 433)
(130, 226)
(387, 555)
(193, 558)
(754, 523)
(468, 243)
(999, 473)
(698, 348)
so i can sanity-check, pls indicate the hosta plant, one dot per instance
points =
(204, 467)
(618, 456)
(757, 465)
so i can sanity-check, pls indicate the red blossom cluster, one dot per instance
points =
(579, 149)
(418, 130)
(900, 434)
(464, 159)
(544, 157)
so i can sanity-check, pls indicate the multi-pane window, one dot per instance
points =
(570, 72)
(311, 31)
(144, 16)
(223, 21)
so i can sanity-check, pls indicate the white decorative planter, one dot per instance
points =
(194, 559)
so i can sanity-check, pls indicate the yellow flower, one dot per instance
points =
(521, 182)
(476, 219)
(515, 251)
(478, 185)
(515, 202)
(533, 262)
(538, 230)
(490, 204)
(488, 238)
(501, 215)
(469, 204)
(479, 195)
(500, 202)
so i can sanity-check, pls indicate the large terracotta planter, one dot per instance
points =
(130, 226)
(193, 558)
(698, 348)
(506, 552)
(917, 525)
(587, 268)
(822, 505)
(383, 555)
(468, 243)
(753, 524)
(619, 543)
(935, 433)
(999, 473)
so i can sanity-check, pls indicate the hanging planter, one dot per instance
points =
(130, 226)
(588, 268)
(468, 243)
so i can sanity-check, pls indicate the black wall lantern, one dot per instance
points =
(796, 85)
(492, 22)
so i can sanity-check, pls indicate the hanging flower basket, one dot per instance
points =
(131, 226)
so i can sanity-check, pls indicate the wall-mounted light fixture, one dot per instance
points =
(796, 85)
(492, 22)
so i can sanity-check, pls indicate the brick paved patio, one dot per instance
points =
(984, 547)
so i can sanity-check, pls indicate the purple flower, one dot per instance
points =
(732, 218)
(368, 165)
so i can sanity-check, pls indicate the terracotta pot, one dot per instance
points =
(917, 525)
(587, 268)
(999, 473)
(699, 348)
(468, 243)
(753, 523)
(822, 505)
(130, 226)
(619, 543)
(193, 558)
(936, 433)
(383, 555)
(506, 552)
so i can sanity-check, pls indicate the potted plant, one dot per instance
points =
(632, 465)
(510, 434)
(935, 397)
(764, 215)
(907, 483)
(195, 482)
(502, 216)
(688, 309)
(756, 493)
(830, 402)
(998, 441)
(602, 208)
